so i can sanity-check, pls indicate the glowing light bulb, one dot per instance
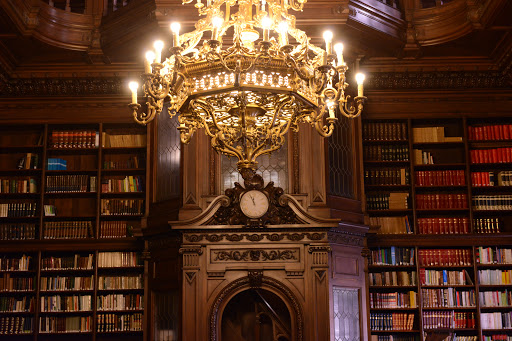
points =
(217, 23)
(266, 22)
(360, 79)
(283, 33)
(159, 46)
(339, 53)
(150, 58)
(133, 87)
(175, 29)
(328, 41)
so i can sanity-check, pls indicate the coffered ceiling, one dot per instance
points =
(40, 41)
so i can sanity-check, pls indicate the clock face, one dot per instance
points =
(254, 204)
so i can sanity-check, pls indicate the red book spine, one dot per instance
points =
(500, 132)
(506, 131)
(485, 133)
(471, 133)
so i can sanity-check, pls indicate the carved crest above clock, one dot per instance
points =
(254, 205)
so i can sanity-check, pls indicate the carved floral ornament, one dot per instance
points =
(255, 255)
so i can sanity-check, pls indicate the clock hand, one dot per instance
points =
(252, 198)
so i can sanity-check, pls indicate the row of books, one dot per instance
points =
(74, 139)
(74, 262)
(444, 277)
(401, 278)
(67, 230)
(422, 157)
(54, 163)
(451, 225)
(120, 302)
(115, 229)
(445, 257)
(122, 185)
(122, 207)
(391, 225)
(495, 298)
(18, 209)
(118, 259)
(18, 185)
(66, 283)
(119, 322)
(440, 178)
(395, 337)
(17, 231)
(389, 131)
(503, 178)
(77, 183)
(496, 320)
(487, 225)
(392, 256)
(490, 132)
(29, 161)
(65, 324)
(387, 201)
(59, 303)
(441, 201)
(132, 162)
(391, 321)
(8, 283)
(17, 304)
(447, 298)
(448, 320)
(494, 155)
(493, 255)
(50, 210)
(492, 202)
(432, 134)
(120, 282)
(16, 325)
(23, 263)
(387, 176)
(123, 140)
(386, 153)
(497, 337)
(393, 299)
(495, 277)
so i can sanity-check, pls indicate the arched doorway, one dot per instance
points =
(256, 314)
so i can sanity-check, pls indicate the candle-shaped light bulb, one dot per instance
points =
(263, 3)
(133, 87)
(338, 48)
(150, 58)
(216, 23)
(283, 33)
(266, 22)
(328, 41)
(332, 111)
(159, 46)
(360, 79)
(175, 29)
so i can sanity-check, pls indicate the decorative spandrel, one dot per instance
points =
(168, 159)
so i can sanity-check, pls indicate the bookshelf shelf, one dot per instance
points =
(450, 308)
(386, 163)
(393, 287)
(459, 144)
(385, 142)
(395, 309)
(396, 331)
(441, 166)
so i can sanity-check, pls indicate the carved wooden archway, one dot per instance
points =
(255, 279)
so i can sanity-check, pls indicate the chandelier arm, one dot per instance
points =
(163, 92)
(351, 110)
(208, 109)
(280, 106)
(323, 130)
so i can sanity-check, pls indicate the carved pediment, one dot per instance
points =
(284, 211)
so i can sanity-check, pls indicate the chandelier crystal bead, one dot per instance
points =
(248, 95)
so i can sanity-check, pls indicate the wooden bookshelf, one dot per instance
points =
(59, 169)
(457, 205)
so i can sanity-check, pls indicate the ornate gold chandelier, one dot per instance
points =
(247, 95)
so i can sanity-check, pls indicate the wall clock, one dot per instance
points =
(254, 204)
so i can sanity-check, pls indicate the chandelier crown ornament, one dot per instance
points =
(249, 94)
